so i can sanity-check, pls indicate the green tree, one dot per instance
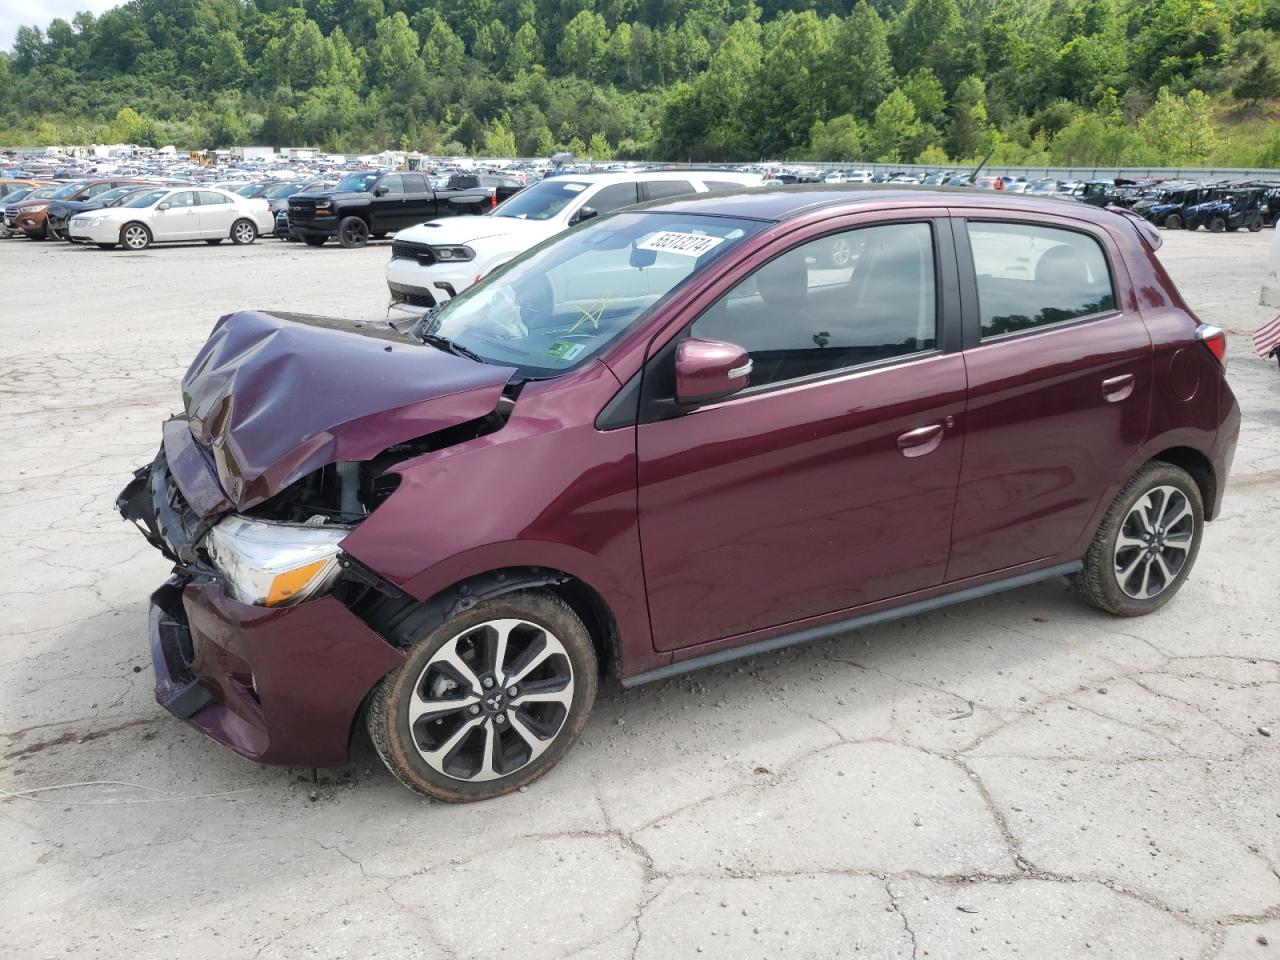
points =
(394, 50)
(499, 141)
(598, 147)
(443, 50)
(924, 90)
(226, 66)
(858, 72)
(789, 98)
(968, 128)
(839, 139)
(893, 128)
(1179, 130)
(525, 51)
(582, 48)
(921, 32)
(1260, 82)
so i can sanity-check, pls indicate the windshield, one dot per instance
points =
(146, 199)
(564, 301)
(107, 196)
(63, 192)
(20, 194)
(357, 183)
(542, 201)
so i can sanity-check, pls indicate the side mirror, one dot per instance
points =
(163, 206)
(379, 191)
(709, 370)
(584, 213)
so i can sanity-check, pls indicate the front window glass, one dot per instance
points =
(840, 301)
(148, 199)
(541, 201)
(357, 183)
(1029, 276)
(561, 303)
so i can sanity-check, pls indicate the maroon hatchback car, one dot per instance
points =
(690, 431)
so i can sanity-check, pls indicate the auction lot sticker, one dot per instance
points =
(685, 244)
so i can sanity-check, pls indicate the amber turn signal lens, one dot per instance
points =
(289, 584)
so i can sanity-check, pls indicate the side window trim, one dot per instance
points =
(971, 309)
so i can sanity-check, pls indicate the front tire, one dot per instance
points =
(487, 702)
(1217, 225)
(135, 236)
(1146, 544)
(1173, 222)
(353, 232)
(243, 232)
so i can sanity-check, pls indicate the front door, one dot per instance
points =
(1060, 367)
(830, 481)
(389, 204)
(179, 220)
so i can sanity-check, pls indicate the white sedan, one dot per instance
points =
(168, 214)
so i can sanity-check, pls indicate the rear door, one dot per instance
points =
(216, 212)
(1060, 367)
(829, 482)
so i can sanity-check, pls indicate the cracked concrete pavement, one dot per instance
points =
(1019, 777)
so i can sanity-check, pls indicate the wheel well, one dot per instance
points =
(1201, 470)
(401, 620)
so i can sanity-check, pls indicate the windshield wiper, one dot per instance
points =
(448, 346)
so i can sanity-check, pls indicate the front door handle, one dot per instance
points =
(921, 440)
(1115, 389)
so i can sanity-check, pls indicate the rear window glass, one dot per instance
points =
(1030, 276)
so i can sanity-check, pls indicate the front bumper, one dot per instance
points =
(102, 233)
(276, 685)
(326, 227)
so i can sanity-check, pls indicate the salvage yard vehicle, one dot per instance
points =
(1167, 207)
(15, 197)
(996, 390)
(365, 205)
(1229, 209)
(61, 211)
(166, 214)
(435, 261)
(31, 216)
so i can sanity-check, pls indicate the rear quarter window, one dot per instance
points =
(1030, 276)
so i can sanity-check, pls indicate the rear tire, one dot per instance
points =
(474, 742)
(1146, 544)
(353, 233)
(1255, 225)
(1217, 225)
(1173, 222)
(243, 232)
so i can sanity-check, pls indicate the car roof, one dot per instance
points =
(624, 176)
(778, 203)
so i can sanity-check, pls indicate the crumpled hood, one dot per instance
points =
(274, 396)
(471, 229)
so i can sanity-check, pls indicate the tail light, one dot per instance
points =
(1215, 340)
(493, 200)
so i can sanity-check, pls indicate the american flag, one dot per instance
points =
(1267, 339)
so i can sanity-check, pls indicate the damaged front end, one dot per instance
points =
(268, 636)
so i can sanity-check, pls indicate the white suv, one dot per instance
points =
(433, 262)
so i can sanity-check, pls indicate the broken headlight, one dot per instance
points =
(272, 564)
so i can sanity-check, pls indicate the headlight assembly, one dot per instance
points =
(453, 253)
(273, 564)
(97, 221)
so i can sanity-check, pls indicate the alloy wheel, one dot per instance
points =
(244, 233)
(491, 700)
(1154, 542)
(135, 237)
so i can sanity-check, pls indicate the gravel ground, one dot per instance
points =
(1019, 777)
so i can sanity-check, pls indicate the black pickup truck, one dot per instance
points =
(373, 204)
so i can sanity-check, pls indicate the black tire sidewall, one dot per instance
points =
(359, 230)
(1102, 556)
(388, 710)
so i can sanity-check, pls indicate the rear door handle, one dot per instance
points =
(1115, 389)
(921, 440)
